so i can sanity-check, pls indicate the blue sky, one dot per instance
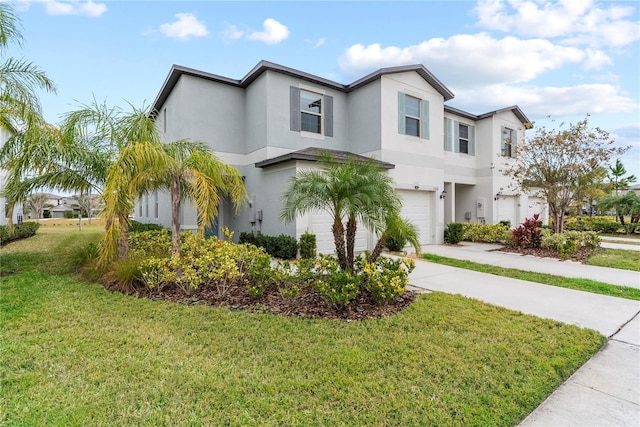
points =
(558, 61)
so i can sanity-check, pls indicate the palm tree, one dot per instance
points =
(617, 177)
(188, 169)
(353, 191)
(400, 229)
(19, 78)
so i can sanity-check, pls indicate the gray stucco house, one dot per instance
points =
(446, 163)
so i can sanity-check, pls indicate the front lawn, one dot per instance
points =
(73, 353)
(616, 258)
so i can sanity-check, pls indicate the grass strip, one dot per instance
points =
(547, 279)
(616, 258)
(75, 354)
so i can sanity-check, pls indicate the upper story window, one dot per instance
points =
(459, 137)
(310, 112)
(463, 138)
(413, 116)
(509, 139)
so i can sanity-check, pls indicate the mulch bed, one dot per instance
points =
(580, 255)
(308, 303)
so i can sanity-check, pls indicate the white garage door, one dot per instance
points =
(321, 225)
(418, 208)
(507, 210)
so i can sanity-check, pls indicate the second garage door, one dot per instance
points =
(418, 208)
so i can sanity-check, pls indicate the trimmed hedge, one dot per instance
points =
(487, 233)
(138, 227)
(308, 246)
(454, 233)
(21, 231)
(282, 246)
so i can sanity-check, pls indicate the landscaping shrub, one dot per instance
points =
(308, 246)
(506, 223)
(453, 233)
(282, 246)
(339, 287)
(20, 231)
(487, 233)
(528, 234)
(568, 242)
(395, 244)
(387, 278)
(138, 227)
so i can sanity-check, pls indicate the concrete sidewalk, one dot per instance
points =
(606, 390)
(484, 254)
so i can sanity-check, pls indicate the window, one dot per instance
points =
(413, 116)
(459, 137)
(463, 138)
(509, 139)
(311, 112)
(146, 205)
(155, 205)
(164, 120)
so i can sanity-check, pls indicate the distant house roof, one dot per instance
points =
(177, 71)
(313, 154)
(514, 108)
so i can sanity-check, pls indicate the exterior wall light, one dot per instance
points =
(497, 196)
(443, 194)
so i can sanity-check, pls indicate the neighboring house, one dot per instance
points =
(446, 163)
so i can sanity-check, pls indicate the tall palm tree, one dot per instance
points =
(352, 191)
(19, 79)
(188, 169)
(617, 177)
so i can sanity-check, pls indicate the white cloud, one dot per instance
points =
(320, 42)
(538, 102)
(273, 32)
(488, 60)
(232, 32)
(575, 21)
(185, 26)
(88, 8)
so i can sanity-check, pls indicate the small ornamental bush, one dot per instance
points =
(487, 233)
(387, 278)
(395, 244)
(569, 242)
(453, 233)
(156, 242)
(339, 287)
(20, 231)
(308, 246)
(528, 234)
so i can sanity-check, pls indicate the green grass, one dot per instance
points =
(547, 279)
(72, 353)
(616, 258)
(76, 354)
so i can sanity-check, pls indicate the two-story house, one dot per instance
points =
(446, 163)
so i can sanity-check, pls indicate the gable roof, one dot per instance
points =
(313, 154)
(514, 108)
(177, 71)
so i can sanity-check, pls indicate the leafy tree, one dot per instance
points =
(353, 191)
(554, 163)
(37, 203)
(87, 203)
(617, 178)
(188, 169)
